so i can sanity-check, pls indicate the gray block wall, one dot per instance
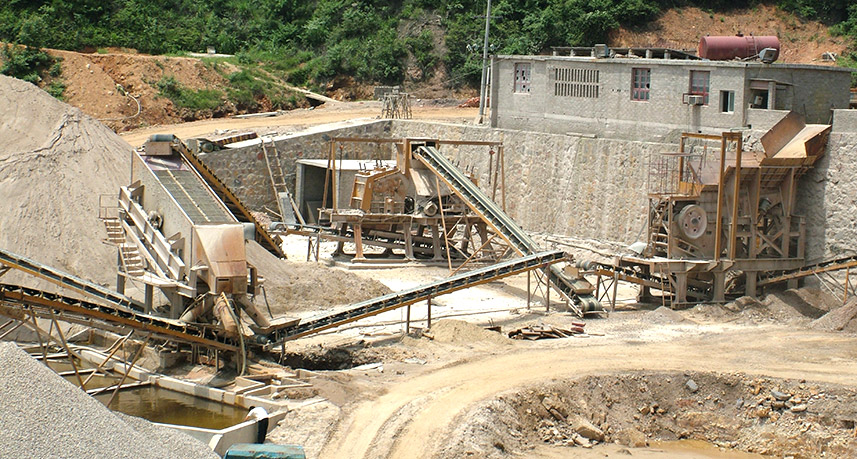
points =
(245, 171)
(828, 194)
(588, 188)
(584, 187)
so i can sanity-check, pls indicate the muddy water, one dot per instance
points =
(166, 406)
(158, 405)
(684, 449)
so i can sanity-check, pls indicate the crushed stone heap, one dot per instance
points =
(43, 415)
(55, 162)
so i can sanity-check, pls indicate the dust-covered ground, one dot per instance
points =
(773, 376)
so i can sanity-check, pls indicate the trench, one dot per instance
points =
(660, 414)
(326, 358)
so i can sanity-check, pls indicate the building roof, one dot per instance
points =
(685, 60)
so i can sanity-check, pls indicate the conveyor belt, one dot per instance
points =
(238, 209)
(109, 317)
(631, 275)
(67, 280)
(494, 216)
(809, 270)
(406, 297)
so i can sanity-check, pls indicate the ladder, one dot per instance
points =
(285, 203)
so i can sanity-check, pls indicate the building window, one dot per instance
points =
(699, 84)
(727, 101)
(640, 82)
(522, 78)
(576, 82)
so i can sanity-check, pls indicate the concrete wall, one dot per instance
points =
(613, 114)
(589, 188)
(245, 171)
(828, 193)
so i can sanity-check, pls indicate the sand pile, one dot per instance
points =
(43, 415)
(293, 286)
(663, 316)
(843, 318)
(55, 162)
(461, 332)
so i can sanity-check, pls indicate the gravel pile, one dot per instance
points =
(55, 162)
(663, 316)
(843, 318)
(295, 286)
(43, 415)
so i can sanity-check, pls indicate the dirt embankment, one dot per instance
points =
(93, 82)
(681, 28)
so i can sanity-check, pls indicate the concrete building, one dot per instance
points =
(659, 96)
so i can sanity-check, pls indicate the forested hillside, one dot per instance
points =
(373, 41)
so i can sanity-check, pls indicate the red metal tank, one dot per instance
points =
(719, 48)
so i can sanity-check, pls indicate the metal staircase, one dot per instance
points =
(132, 262)
(115, 235)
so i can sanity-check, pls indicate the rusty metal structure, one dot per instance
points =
(409, 208)
(396, 207)
(719, 214)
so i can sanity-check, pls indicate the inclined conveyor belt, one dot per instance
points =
(631, 275)
(414, 295)
(809, 270)
(193, 196)
(67, 280)
(488, 210)
(44, 304)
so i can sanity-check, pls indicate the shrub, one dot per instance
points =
(26, 64)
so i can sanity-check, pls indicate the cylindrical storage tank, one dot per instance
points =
(719, 48)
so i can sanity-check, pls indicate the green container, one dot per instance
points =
(264, 451)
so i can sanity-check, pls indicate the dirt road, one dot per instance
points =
(414, 417)
(354, 111)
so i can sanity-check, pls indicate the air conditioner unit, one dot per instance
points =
(695, 99)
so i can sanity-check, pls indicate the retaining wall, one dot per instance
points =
(244, 169)
(827, 194)
(591, 188)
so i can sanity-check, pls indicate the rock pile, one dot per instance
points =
(43, 415)
(843, 318)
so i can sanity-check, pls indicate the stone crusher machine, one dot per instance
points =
(406, 207)
(179, 230)
(719, 216)
(393, 206)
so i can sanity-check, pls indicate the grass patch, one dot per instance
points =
(201, 99)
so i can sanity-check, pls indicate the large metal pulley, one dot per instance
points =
(692, 220)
